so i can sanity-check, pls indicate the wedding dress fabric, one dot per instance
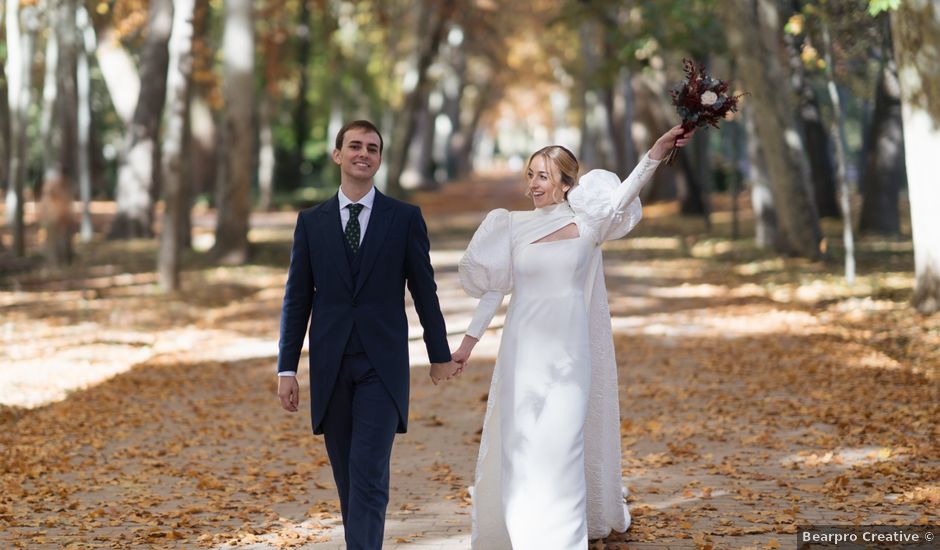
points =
(549, 468)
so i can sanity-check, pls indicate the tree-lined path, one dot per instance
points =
(754, 398)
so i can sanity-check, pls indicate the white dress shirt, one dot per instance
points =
(364, 215)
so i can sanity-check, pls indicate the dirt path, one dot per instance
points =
(746, 411)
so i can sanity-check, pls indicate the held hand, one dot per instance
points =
(288, 391)
(444, 371)
(462, 355)
(667, 141)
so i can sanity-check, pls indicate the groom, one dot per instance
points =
(351, 259)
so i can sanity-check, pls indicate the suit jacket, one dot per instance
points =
(395, 252)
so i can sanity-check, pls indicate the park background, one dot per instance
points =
(775, 313)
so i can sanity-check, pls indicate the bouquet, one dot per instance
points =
(700, 100)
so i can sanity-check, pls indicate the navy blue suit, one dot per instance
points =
(359, 367)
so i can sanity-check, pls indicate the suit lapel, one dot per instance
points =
(379, 222)
(332, 227)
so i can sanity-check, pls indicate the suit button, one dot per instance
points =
(355, 303)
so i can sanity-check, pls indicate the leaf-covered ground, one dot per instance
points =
(757, 394)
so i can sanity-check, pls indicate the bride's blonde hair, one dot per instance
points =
(564, 160)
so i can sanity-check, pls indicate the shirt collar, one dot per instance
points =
(365, 201)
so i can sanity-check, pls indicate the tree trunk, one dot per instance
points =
(4, 111)
(625, 114)
(84, 49)
(139, 170)
(56, 133)
(265, 153)
(22, 26)
(883, 171)
(916, 29)
(204, 163)
(762, 197)
(810, 118)
(467, 137)
(301, 127)
(838, 137)
(231, 235)
(199, 134)
(696, 168)
(429, 47)
(50, 127)
(422, 160)
(179, 74)
(119, 72)
(784, 154)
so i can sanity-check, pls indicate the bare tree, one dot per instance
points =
(139, 172)
(916, 30)
(234, 188)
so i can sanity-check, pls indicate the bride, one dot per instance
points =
(548, 473)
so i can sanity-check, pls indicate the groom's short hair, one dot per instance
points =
(361, 125)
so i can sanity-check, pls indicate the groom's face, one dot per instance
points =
(361, 154)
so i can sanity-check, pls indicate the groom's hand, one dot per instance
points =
(288, 391)
(444, 371)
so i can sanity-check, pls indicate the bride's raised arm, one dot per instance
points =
(630, 189)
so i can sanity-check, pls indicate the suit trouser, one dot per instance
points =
(359, 429)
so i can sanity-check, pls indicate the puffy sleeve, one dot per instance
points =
(486, 265)
(609, 207)
(485, 270)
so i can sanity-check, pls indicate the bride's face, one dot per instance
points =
(542, 182)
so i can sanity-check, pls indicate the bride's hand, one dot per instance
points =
(462, 355)
(661, 148)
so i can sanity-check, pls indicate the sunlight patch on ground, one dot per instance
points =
(841, 458)
(731, 322)
(709, 248)
(83, 356)
(683, 499)
(285, 533)
(674, 269)
(832, 286)
(686, 290)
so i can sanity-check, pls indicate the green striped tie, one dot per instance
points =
(352, 227)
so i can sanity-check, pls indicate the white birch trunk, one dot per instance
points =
(22, 26)
(86, 46)
(838, 137)
(916, 30)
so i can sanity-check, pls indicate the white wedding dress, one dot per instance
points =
(549, 472)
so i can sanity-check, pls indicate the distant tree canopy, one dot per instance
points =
(94, 96)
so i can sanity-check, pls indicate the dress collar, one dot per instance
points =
(553, 209)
